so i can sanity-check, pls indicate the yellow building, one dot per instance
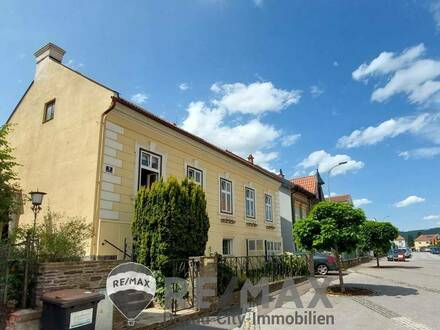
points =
(90, 151)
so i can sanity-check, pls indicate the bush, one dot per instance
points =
(170, 222)
(58, 238)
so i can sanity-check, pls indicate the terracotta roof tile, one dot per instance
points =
(341, 198)
(309, 183)
(427, 238)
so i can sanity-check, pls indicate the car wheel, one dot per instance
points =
(322, 269)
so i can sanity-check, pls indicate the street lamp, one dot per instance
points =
(37, 200)
(329, 174)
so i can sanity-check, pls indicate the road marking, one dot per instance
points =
(389, 314)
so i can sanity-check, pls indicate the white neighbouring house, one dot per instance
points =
(400, 242)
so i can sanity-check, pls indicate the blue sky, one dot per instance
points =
(300, 84)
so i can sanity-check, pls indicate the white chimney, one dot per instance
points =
(49, 51)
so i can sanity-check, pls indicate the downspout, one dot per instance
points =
(96, 222)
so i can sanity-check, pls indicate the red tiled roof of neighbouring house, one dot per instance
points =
(400, 238)
(340, 198)
(309, 183)
(427, 238)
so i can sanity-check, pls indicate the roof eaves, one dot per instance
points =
(174, 127)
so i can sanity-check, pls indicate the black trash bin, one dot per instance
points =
(70, 309)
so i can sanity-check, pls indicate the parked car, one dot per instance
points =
(401, 254)
(435, 250)
(324, 262)
(390, 255)
(408, 253)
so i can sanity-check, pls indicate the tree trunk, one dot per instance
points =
(377, 259)
(341, 279)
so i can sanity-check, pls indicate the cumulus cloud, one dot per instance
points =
(233, 121)
(425, 124)
(139, 98)
(255, 98)
(407, 72)
(410, 200)
(432, 217)
(361, 201)
(184, 86)
(316, 91)
(288, 140)
(420, 153)
(324, 161)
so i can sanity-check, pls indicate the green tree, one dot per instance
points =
(8, 177)
(377, 237)
(410, 241)
(331, 227)
(170, 222)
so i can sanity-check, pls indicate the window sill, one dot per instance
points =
(251, 222)
(225, 218)
(269, 225)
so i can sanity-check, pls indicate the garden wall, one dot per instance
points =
(89, 275)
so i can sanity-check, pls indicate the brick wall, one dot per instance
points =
(53, 276)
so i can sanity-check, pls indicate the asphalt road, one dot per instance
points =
(406, 296)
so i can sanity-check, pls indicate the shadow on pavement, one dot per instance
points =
(395, 266)
(386, 290)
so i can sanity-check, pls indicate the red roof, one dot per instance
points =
(341, 198)
(309, 183)
(427, 238)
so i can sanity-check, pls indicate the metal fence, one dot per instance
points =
(18, 269)
(275, 268)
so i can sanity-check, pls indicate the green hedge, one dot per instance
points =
(170, 222)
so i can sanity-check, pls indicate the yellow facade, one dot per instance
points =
(87, 161)
(127, 132)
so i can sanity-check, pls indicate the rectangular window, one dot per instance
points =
(195, 175)
(255, 245)
(49, 111)
(227, 247)
(150, 168)
(225, 196)
(268, 207)
(273, 248)
(250, 202)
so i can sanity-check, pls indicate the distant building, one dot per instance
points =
(400, 242)
(424, 241)
(346, 198)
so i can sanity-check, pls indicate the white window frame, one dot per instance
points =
(226, 193)
(273, 247)
(195, 170)
(231, 246)
(141, 166)
(252, 201)
(256, 250)
(268, 207)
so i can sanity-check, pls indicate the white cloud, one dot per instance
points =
(139, 98)
(325, 161)
(316, 91)
(425, 124)
(331, 194)
(263, 159)
(435, 10)
(388, 62)
(184, 86)
(255, 98)
(410, 200)
(406, 73)
(288, 140)
(361, 201)
(420, 153)
(431, 217)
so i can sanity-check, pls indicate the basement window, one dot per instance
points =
(150, 168)
(49, 111)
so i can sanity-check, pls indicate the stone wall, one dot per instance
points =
(91, 275)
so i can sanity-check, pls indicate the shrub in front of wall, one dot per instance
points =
(170, 224)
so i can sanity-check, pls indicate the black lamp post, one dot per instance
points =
(37, 200)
